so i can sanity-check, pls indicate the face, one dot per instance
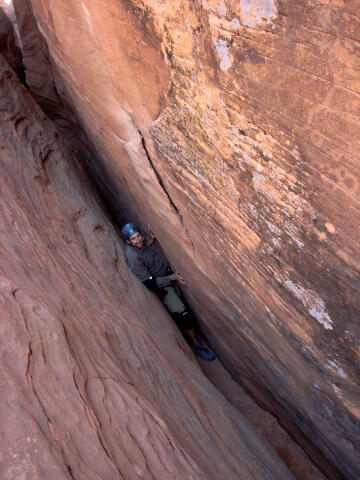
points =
(136, 240)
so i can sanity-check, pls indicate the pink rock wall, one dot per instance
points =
(248, 112)
(96, 381)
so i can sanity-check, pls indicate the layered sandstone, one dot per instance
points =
(96, 381)
(232, 127)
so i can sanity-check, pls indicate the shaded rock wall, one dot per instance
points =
(9, 47)
(90, 360)
(47, 86)
(233, 128)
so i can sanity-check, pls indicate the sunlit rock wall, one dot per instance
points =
(233, 127)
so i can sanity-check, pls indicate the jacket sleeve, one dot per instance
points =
(140, 270)
(138, 267)
(162, 282)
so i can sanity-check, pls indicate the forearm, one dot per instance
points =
(162, 282)
(157, 283)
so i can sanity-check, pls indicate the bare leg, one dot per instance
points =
(191, 335)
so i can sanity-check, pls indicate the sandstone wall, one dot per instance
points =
(96, 381)
(9, 47)
(233, 128)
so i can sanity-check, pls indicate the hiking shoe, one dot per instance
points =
(201, 351)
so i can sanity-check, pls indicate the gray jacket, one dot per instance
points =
(146, 263)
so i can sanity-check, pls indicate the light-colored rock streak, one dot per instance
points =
(257, 12)
(312, 302)
(222, 49)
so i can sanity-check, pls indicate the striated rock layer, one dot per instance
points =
(233, 127)
(97, 383)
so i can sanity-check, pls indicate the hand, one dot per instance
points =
(177, 277)
(152, 237)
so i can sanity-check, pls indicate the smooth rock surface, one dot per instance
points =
(299, 464)
(96, 380)
(233, 127)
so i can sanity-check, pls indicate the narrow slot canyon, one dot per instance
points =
(231, 128)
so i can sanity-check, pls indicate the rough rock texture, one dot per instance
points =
(233, 128)
(40, 78)
(47, 87)
(96, 381)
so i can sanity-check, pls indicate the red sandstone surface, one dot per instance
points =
(96, 381)
(232, 127)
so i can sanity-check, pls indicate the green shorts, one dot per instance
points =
(172, 300)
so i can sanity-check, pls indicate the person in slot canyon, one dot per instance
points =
(155, 273)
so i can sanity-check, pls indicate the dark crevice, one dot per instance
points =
(161, 183)
(9, 45)
(261, 416)
(70, 471)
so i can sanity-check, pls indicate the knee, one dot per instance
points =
(184, 320)
(181, 311)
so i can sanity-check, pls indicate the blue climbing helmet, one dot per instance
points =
(129, 229)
